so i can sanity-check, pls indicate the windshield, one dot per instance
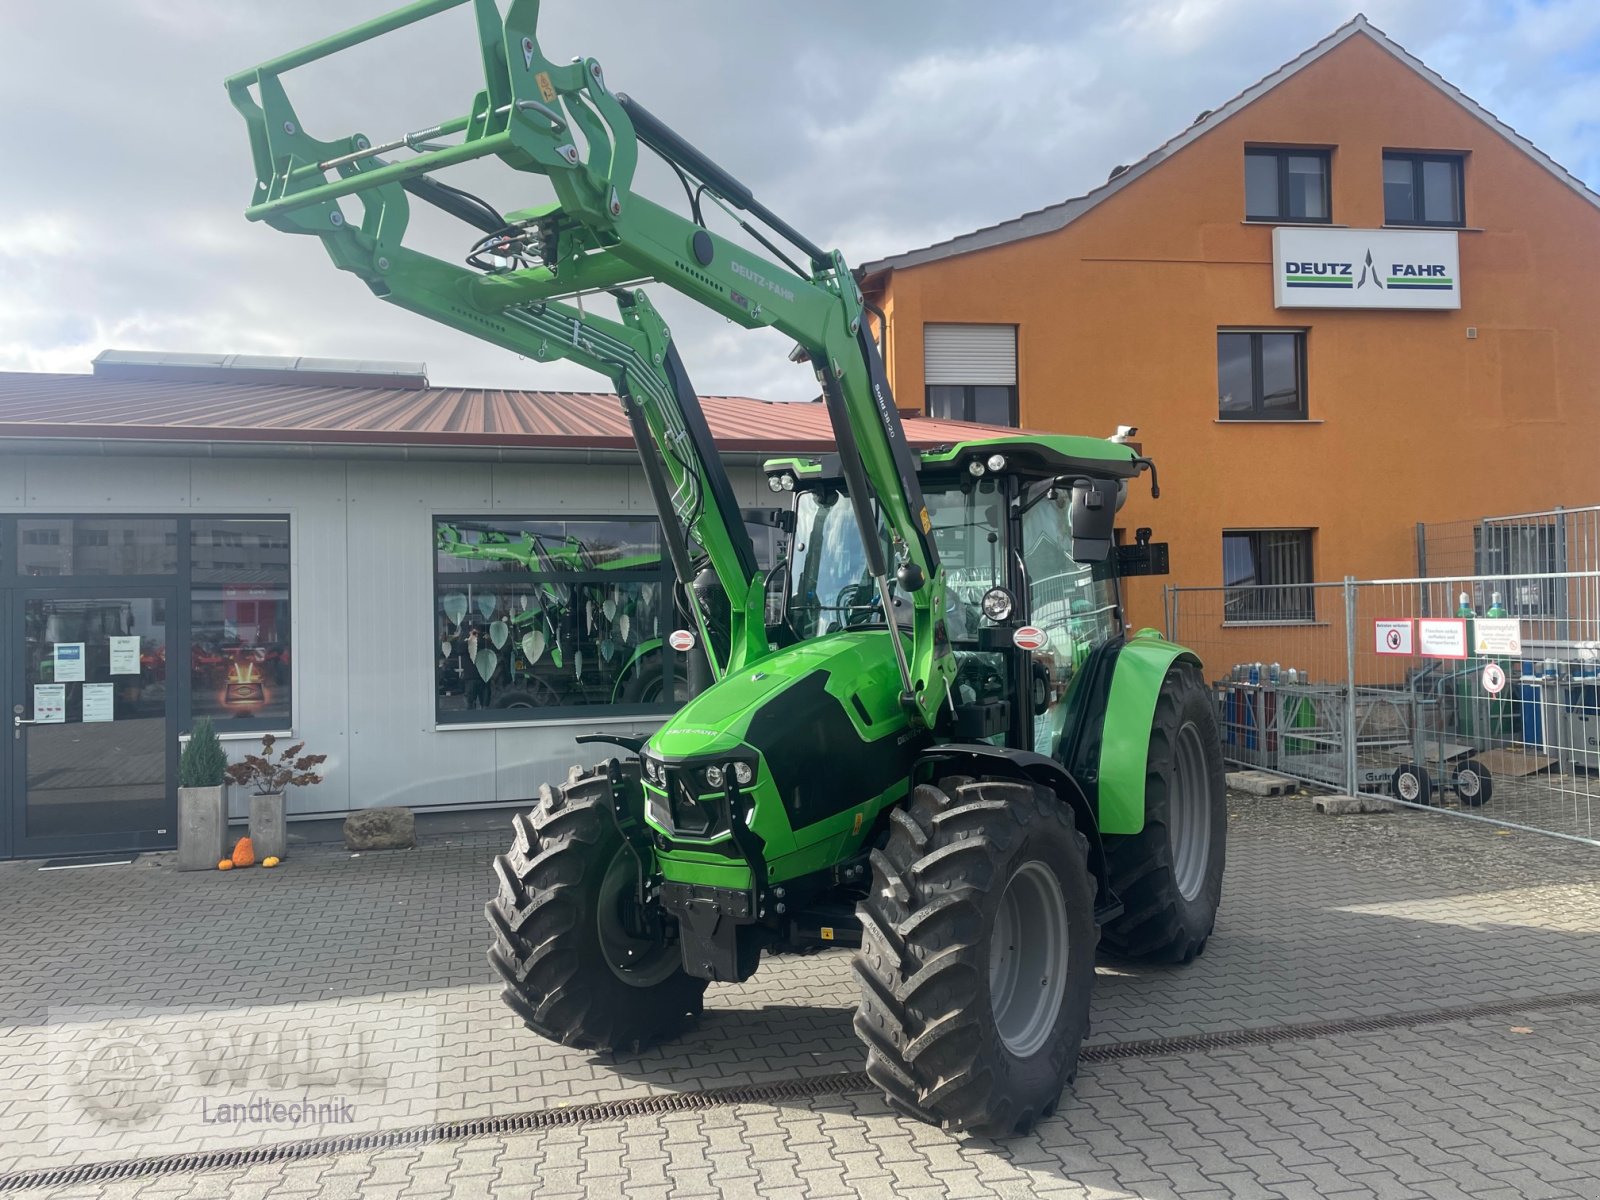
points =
(830, 587)
(832, 590)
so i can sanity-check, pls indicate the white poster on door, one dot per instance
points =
(69, 662)
(98, 702)
(125, 655)
(50, 703)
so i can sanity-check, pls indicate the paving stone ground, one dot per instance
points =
(364, 978)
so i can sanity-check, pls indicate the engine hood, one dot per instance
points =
(854, 669)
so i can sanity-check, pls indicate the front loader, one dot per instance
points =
(936, 744)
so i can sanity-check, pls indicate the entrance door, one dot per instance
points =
(94, 740)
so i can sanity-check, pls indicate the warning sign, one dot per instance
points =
(1442, 637)
(1394, 637)
(1494, 678)
(681, 639)
(1497, 635)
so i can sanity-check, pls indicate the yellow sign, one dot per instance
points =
(856, 828)
(546, 88)
(827, 933)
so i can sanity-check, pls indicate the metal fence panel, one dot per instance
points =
(1477, 694)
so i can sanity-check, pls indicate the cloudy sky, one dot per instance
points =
(873, 127)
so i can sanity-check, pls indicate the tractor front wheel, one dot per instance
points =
(1169, 875)
(583, 965)
(977, 955)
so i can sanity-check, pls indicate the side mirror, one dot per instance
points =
(1092, 519)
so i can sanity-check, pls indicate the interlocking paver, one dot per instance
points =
(1322, 918)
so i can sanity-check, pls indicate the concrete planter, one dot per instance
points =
(202, 828)
(268, 834)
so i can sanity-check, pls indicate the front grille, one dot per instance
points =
(682, 809)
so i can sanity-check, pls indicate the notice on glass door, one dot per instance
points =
(125, 655)
(98, 702)
(69, 662)
(50, 703)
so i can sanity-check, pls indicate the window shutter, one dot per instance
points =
(969, 354)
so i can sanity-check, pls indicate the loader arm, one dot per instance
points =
(565, 123)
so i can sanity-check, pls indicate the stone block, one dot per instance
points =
(1261, 783)
(1339, 806)
(380, 829)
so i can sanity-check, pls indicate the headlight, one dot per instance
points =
(975, 467)
(714, 777)
(998, 604)
(774, 483)
(743, 772)
(786, 482)
(997, 462)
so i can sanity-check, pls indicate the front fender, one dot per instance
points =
(1142, 665)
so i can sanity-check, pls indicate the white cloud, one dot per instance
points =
(877, 128)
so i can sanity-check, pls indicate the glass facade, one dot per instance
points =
(239, 655)
(535, 617)
(96, 546)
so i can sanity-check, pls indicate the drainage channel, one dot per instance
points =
(806, 1088)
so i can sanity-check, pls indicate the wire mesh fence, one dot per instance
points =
(1477, 694)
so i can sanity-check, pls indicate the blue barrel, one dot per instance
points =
(1529, 692)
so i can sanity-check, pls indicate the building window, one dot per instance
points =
(537, 617)
(239, 658)
(1286, 185)
(987, 404)
(1266, 573)
(1423, 189)
(970, 372)
(1261, 375)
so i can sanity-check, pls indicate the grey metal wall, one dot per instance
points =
(362, 601)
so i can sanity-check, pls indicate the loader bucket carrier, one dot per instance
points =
(945, 753)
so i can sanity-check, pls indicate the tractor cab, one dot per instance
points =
(1024, 532)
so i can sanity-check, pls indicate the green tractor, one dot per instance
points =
(928, 736)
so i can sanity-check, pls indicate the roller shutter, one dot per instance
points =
(970, 354)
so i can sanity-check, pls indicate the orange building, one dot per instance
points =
(1348, 300)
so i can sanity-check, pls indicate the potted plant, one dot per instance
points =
(202, 815)
(268, 776)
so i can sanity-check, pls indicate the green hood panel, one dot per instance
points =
(718, 718)
(833, 743)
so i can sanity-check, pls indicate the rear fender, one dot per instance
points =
(1141, 667)
(983, 759)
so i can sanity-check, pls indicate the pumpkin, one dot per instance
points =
(270, 861)
(225, 865)
(244, 853)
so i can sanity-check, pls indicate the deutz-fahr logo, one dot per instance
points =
(1343, 276)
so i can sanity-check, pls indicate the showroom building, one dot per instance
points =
(1346, 301)
(436, 587)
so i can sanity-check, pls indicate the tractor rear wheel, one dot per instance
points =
(567, 933)
(1169, 875)
(977, 955)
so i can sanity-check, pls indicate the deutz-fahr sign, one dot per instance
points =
(1365, 268)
